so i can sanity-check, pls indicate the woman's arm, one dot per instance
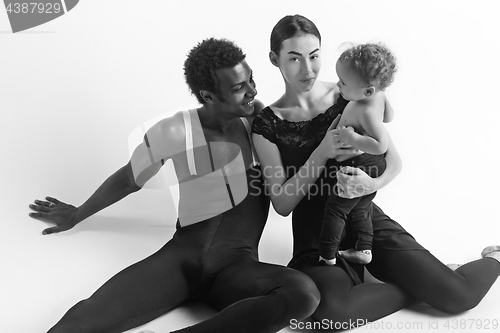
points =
(353, 182)
(286, 194)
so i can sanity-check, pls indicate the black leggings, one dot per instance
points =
(409, 270)
(252, 296)
(419, 275)
(214, 261)
(338, 209)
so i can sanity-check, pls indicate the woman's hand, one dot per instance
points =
(353, 183)
(331, 146)
(56, 212)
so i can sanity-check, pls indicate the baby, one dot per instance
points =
(364, 71)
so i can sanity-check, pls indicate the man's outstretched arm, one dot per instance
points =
(66, 216)
(160, 143)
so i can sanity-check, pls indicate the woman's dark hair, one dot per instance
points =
(291, 26)
(203, 61)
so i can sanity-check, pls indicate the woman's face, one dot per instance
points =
(300, 62)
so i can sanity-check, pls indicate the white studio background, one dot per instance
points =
(74, 89)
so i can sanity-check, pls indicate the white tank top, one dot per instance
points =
(214, 193)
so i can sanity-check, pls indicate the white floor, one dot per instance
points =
(44, 275)
(72, 91)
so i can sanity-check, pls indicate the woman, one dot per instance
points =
(294, 138)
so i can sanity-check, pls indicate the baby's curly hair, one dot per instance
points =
(204, 59)
(373, 63)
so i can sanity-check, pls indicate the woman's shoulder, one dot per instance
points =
(278, 106)
(258, 107)
(265, 116)
(330, 90)
(264, 124)
(278, 111)
(333, 96)
(329, 85)
(327, 95)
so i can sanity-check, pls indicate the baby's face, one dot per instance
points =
(351, 88)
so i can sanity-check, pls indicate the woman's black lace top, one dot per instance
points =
(296, 140)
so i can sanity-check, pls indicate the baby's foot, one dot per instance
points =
(360, 257)
(327, 262)
(492, 251)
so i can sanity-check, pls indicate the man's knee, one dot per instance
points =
(332, 309)
(301, 295)
(459, 301)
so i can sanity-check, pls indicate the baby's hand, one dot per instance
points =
(345, 134)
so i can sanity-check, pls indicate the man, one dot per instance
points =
(212, 257)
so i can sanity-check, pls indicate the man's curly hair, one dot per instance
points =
(374, 64)
(204, 59)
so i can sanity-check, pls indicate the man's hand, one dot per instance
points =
(56, 212)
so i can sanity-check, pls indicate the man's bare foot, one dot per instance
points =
(492, 251)
(453, 267)
(359, 257)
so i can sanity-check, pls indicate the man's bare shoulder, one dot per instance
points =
(172, 125)
(170, 129)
